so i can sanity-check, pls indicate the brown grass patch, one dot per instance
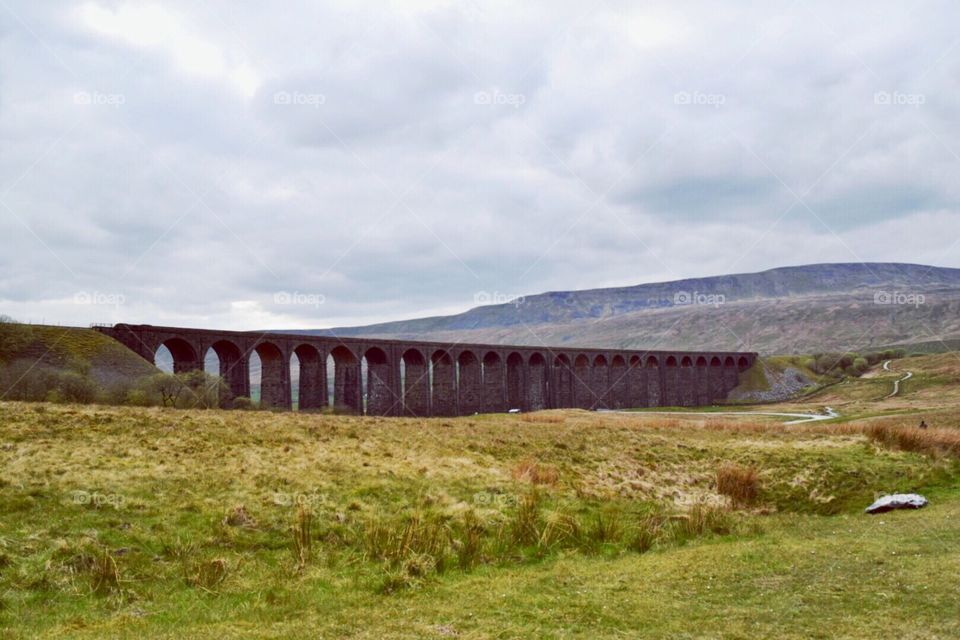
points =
(740, 484)
(933, 442)
(239, 517)
(529, 470)
(544, 418)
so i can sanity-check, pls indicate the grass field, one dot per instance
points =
(150, 523)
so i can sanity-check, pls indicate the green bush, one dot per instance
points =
(26, 380)
(188, 390)
(76, 387)
(137, 398)
(874, 357)
(837, 364)
(860, 365)
(243, 403)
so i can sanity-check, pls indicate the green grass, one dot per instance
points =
(124, 522)
(84, 350)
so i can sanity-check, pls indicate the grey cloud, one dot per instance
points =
(201, 196)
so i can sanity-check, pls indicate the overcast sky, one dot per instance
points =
(285, 165)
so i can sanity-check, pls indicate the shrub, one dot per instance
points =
(242, 403)
(740, 484)
(873, 357)
(75, 387)
(203, 390)
(189, 390)
(834, 364)
(137, 398)
(861, 364)
(26, 380)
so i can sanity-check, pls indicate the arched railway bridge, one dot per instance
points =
(419, 378)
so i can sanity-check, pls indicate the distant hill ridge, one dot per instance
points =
(783, 310)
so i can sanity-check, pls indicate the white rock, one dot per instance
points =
(898, 501)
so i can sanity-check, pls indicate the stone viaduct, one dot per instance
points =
(415, 378)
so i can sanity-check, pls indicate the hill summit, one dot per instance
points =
(796, 309)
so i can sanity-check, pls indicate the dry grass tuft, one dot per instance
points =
(529, 470)
(239, 517)
(933, 442)
(526, 522)
(544, 418)
(701, 519)
(469, 547)
(106, 574)
(740, 484)
(302, 536)
(398, 540)
(560, 529)
(208, 575)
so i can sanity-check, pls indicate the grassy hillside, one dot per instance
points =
(792, 310)
(553, 524)
(85, 350)
(933, 392)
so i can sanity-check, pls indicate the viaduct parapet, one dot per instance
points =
(415, 378)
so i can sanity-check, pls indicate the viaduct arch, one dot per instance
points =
(420, 378)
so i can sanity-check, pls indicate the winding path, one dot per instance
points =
(896, 383)
(800, 418)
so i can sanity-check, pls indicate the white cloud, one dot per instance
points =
(152, 26)
(387, 186)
